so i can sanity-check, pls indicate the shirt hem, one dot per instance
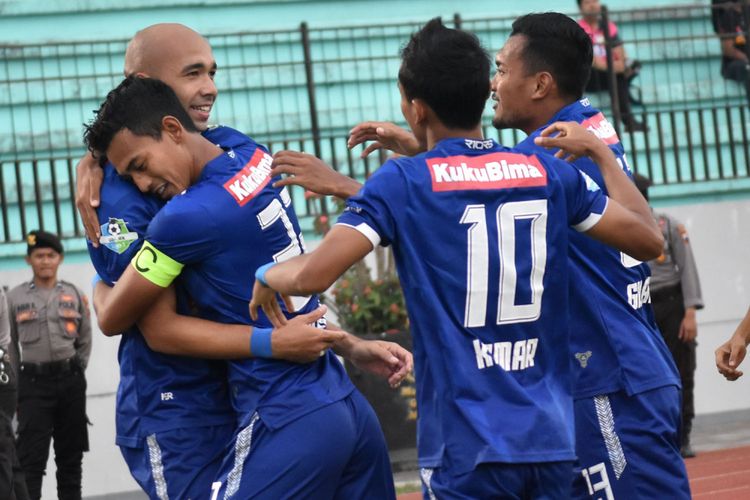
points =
(541, 457)
(630, 391)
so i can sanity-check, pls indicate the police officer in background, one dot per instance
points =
(675, 296)
(12, 482)
(51, 321)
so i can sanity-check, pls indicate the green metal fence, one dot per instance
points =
(304, 88)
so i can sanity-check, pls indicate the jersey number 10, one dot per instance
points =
(477, 268)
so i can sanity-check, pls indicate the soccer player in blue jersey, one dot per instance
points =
(626, 386)
(627, 390)
(480, 235)
(173, 413)
(224, 219)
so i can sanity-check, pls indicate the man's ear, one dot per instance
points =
(544, 84)
(173, 128)
(27, 259)
(420, 110)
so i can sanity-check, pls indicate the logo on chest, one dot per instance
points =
(253, 177)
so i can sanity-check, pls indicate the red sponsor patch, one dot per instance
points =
(253, 177)
(491, 171)
(600, 127)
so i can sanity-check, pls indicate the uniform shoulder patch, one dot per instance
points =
(116, 236)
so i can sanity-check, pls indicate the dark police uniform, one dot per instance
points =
(674, 288)
(12, 482)
(54, 331)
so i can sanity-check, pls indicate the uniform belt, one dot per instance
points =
(50, 368)
(667, 292)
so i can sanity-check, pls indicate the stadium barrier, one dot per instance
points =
(304, 88)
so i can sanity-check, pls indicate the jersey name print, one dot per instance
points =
(492, 171)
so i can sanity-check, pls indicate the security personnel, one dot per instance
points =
(675, 296)
(12, 482)
(51, 320)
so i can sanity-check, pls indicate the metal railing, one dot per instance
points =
(304, 88)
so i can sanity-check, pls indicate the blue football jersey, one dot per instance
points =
(615, 344)
(221, 230)
(480, 235)
(156, 392)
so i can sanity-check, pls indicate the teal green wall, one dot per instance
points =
(26, 21)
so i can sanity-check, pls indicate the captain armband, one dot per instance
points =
(156, 266)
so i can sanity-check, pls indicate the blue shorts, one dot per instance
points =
(628, 446)
(180, 463)
(542, 481)
(336, 452)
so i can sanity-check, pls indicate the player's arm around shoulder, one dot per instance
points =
(119, 307)
(310, 273)
(627, 223)
(168, 332)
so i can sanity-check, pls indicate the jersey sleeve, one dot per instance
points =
(371, 210)
(180, 234)
(124, 214)
(229, 138)
(586, 203)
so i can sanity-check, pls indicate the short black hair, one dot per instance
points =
(136, 104)
(449, 70)
(557, 44)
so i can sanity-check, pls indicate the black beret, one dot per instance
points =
(42, 239)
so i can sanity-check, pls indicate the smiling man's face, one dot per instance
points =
(159, 167)
(182, 59)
